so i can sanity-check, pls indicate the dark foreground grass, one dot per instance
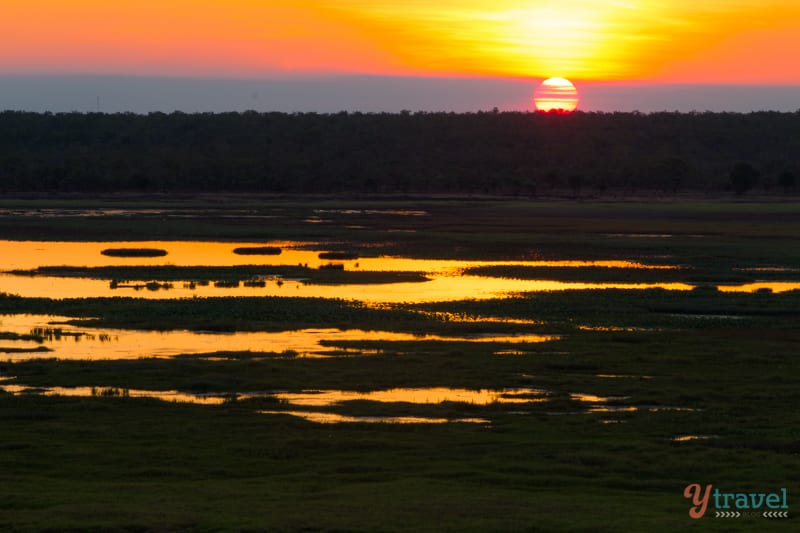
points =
(125, 463)
(115, 463)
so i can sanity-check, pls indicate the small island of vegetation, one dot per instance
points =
(257, 250)
(134, 252)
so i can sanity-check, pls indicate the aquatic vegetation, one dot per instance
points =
(17, 350)
(257, 250)
(134, 252)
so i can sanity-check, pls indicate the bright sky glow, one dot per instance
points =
(709, 41)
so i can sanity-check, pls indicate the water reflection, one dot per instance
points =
(689, 438)
(431, 395)
(394, 212)
(440, 288)
(762, 286)
(599, 403)
(592, 398)
(113, 392)
(446, 282)
(612, 408)
(333, 418)
(71, 342)
(329, 398)
(416, 396)
(622, 376)
(26, 255)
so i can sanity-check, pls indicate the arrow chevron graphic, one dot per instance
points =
(727, 514)
(775, 514)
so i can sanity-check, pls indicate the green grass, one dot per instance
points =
(116, 463)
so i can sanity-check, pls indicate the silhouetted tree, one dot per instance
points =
(575, 183)
(744, 177)
(501, 153)
(787, 180)
(671, 173)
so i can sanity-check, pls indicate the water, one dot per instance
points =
(105, 343)
(445, 283)
(445, 279)
(427, 396)
(32, 254)
(422, 396)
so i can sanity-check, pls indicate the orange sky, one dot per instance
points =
(693, 41)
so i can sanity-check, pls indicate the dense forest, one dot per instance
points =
(485, 153)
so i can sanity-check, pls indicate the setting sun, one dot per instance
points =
(557, 95)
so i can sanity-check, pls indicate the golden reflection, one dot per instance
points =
(612, 328)
(440, 288)
(591, 398)
(612, 408)
(110, 392)
(96, 343)
(474, 319)
(415, 395)
(446, 282)
(688, 438)
(333, 418)
(203, 399)
(25, 255)
(765, 286)
(621, 376)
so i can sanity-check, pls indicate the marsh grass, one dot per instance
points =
(134, 252)
(121, 276)
(11, 336)
(257, 250)
(18, 350)
(691, 363)
(621, 476)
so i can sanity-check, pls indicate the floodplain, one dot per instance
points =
(394, 365)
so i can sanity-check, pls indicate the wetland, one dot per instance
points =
(476, 364)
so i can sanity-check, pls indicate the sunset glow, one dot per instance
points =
(743, 41)
(556, 94)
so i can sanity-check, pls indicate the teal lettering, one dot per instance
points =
(757, 500)
(716, 498)
(785, 505)
(725, 496)
(741, 501)
(773, 501)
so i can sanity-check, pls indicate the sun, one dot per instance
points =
(556, 95)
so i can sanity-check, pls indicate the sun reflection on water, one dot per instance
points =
(334, 418)
(416, 396)
(446, 281)
(74, 342)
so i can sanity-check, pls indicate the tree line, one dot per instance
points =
(518, 153)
